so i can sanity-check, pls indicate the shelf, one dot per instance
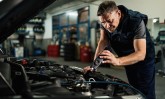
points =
(36, 20)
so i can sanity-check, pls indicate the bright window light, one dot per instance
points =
(1, 0)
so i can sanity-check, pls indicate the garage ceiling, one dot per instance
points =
(59, 3)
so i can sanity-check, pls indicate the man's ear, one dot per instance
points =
(119, 13)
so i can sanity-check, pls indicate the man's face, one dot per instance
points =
(110, 20)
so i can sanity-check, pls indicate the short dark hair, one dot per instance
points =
(106, 6)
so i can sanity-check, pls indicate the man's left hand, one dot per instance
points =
(109, 58)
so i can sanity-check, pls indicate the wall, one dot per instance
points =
(153, 8)
(93, 17)
(67, 8)
(48, 27)
(93, 11)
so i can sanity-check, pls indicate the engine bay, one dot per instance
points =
(40, 79)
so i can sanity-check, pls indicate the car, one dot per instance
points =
(160, 53)
(32, 78)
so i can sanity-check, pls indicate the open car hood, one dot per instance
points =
(14, 13)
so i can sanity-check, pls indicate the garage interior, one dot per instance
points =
(67, 31)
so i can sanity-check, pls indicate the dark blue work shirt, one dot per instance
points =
(131, 27)
(141, 75)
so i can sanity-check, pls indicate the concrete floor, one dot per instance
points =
(117, 72)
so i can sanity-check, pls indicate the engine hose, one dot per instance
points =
(117, 83)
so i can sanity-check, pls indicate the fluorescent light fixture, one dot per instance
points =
(102, 97)
(72, 13)
(155, 20)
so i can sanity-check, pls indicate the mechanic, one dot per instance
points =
(125, 31)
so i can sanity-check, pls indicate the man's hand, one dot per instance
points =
(109, 58)
(86, 69)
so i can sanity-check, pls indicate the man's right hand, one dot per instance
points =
(86, 69)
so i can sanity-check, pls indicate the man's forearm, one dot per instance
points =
(138, 55)
(131, 59)
(100, 48)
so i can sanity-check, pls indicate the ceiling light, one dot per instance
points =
(72, 13)
(1, 0)
(155, 20)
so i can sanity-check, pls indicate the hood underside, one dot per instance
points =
(14, 13)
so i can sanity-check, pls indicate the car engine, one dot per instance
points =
(40, 79)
